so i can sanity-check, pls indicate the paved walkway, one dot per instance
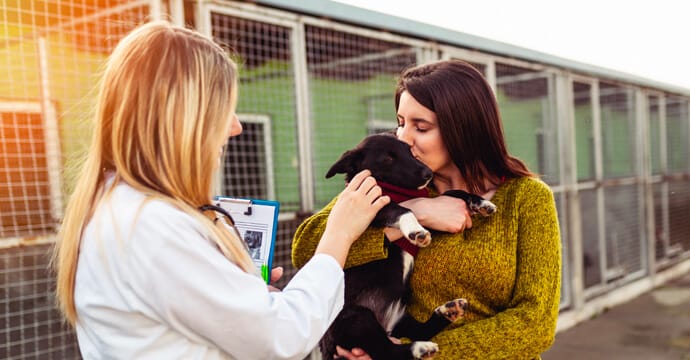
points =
(653, 326)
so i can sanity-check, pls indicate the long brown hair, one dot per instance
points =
(162, 114)
(468, 118)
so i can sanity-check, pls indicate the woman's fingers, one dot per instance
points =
(276, 273)
(365, 183)
(357, 180)
(468, 218)
(355, 354)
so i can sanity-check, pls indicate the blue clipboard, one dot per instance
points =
(257, 222)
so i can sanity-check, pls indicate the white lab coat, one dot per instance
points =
(151, 285)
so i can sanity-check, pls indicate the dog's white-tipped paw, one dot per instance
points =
(485, 208)
(413, 231)
(421, 238)
(452, 310)
(424, 350)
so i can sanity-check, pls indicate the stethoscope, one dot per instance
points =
(228, 220)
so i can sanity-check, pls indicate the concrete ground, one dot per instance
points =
(653, 326)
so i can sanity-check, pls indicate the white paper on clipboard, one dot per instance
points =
(257, 222)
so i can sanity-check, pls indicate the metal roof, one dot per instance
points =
(376, 20)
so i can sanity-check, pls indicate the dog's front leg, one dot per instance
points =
(476, 203)
(396, 216)
(413, 231)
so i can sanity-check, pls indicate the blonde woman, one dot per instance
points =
(141, 271)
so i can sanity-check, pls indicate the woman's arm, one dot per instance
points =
(196, 291)
(527, 326)
(369, 247)
(442, 213)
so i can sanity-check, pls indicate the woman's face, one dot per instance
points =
(418, 127)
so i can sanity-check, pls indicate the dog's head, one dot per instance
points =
(389, 160)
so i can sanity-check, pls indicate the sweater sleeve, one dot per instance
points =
(369, 247)
(527, 326)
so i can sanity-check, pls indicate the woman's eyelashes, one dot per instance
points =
(416, 128)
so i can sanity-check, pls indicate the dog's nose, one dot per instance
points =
(427, 174)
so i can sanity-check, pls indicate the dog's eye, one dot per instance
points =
(388, 159)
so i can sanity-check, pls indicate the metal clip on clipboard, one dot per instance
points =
(247, 211)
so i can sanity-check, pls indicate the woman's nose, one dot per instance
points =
(403, 135)
(235, 126)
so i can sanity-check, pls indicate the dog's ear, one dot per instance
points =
(344, 165)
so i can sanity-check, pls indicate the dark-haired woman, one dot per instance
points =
(507, 265)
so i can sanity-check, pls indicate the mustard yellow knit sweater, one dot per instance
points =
(508, 267)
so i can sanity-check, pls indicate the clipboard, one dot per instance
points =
(257, 222)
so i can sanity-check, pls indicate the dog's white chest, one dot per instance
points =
(396, 310)
(408, 264)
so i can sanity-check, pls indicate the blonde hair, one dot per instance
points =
(162, 114)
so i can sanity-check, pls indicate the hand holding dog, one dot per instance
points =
(351, 215)
(357, 353)
(442, 213)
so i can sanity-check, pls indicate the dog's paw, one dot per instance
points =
(421, 238)
(483, 207)
(424, 350)
(413, 231)
(452, 310)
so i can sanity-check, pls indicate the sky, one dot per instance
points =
(646, 38)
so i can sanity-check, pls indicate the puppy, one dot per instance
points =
(376, 293)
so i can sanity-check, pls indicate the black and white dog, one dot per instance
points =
(376, 293)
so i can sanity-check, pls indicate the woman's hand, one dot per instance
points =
(276, 274)
(356, 206)
(442, 213)
(351, 215)
(355, 354)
